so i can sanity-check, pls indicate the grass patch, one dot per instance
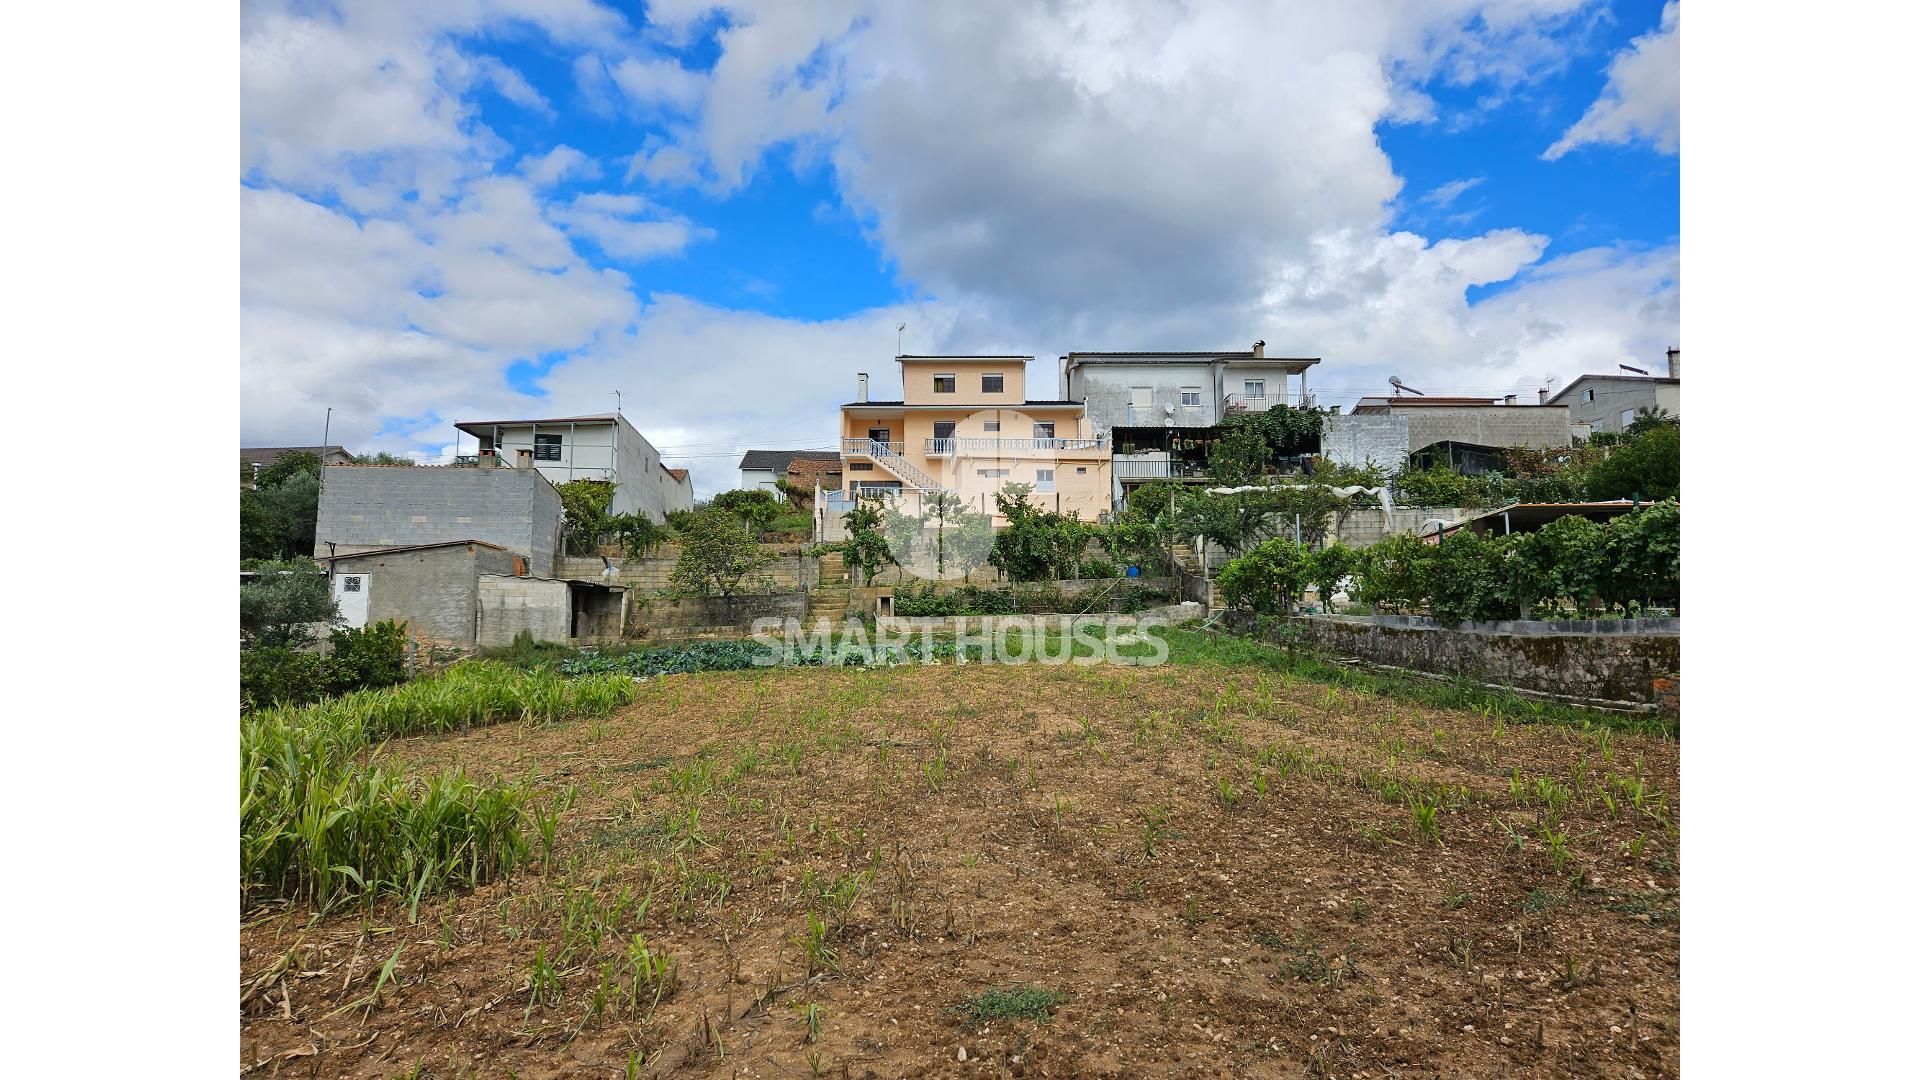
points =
(1035, 1003)
(1229, 650)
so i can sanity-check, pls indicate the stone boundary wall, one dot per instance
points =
(658, 617)
(988, 624)
(862, 598)
(788, 571)
(1636, 667)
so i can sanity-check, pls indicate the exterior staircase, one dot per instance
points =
(891, 460)
(832, 595)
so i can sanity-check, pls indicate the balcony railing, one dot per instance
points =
(1126, 468)
(949, 447)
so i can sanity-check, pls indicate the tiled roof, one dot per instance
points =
(814, 467)
(778, 460)
(678, 474)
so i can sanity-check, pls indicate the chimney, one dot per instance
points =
(523, 458)
(1513, 399)
(1543, 395)
(1673, 362)
(1260, 349)
(485, 458)
(863, 387)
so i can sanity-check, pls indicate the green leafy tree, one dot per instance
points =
(865, 548)
(1235, 522)
(1331, 565)
(1643, 556)
(1239, 456)
(585, 504)
(282, 601)
(1025, 549)
(1568, 557)
(1644, 466)
(297, 463)
(902, 530)
(716, 554)
(1467, 579)
(1268, 580)
(1393, 572)
(279, 515)
(639, 535)
(757, 507)
(971, 543)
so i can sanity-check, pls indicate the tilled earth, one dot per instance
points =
(1222, 870)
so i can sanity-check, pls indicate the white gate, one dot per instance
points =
(353, 592)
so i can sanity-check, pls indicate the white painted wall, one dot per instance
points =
(605, 450)
(353, 593)
(757, 478)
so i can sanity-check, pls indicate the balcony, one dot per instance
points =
(1157, 468)
(969, 447)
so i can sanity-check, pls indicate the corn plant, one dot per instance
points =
(1226, 793)
(813, 942)
(1426, 817)
(1154, 828)
(543, 982)
(811, 1014)
(651, 974)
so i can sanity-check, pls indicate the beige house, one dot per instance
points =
(965, 426)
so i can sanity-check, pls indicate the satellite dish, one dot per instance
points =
(1394, 381)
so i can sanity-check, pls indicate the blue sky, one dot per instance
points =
(723, 211)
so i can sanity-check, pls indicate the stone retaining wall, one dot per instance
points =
(1633, 663)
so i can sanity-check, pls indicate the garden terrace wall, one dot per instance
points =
(789, 570)
(1071, 589)
(1623, 663)
(988, 624)
(661, 617)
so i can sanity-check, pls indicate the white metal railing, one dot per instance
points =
(1262, 402)
(899, 466)
(948, 447)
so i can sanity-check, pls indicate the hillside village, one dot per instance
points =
(1140, 480)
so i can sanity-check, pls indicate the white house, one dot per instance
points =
(598, 447)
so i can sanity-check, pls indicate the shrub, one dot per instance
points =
(1098, 567)
(584, 504)
(282, 600)
(278, 675)
(716, 554)
(757, 507)
(1268, 580)
(367, 658)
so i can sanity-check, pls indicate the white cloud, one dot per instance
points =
(1117, 175)
(615, 222)
(1641, 101)
(658, 82)
(1444, 195)
(558, 164)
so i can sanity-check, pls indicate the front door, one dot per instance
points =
(880, 434)
(354, 594)
(942, 437)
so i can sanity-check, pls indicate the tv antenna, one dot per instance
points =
(616, 403)
(1394, 381)
(1635, 370)
(900, 335)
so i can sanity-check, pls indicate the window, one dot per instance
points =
(993, 384)
(993, 474)
(1190, 395)
(546, 448)
(1587, 395)
(1626, 419)
(1256, 388)
(1043, 479)
(860, 466)
(1080, 470)
(942, 437)
(1043, 431)
(945, 384)
(880, 434)
(990, 425)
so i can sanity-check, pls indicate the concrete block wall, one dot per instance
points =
(433, 591)
(1365, 438)
(660, 617)
(366, 507)
(787, 572)
(1538, 426)
(508, 605)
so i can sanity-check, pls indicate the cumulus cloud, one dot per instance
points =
(1107, 174)
(1641, 101)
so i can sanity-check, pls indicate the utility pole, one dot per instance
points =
(326, 433)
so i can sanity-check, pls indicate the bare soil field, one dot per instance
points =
(1186, 870)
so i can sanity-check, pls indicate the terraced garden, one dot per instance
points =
(1240, 862)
